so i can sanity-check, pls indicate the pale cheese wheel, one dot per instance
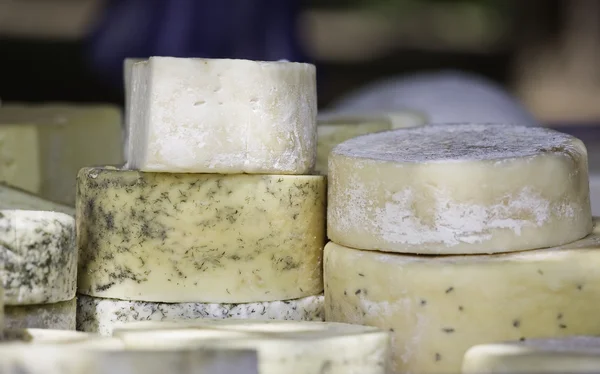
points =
(169, 237)
(59, 316)
(101, 315)
(573, 354)
(39, 255)
(459, 189)
(289, 347)
(440, 306)
(226, 116)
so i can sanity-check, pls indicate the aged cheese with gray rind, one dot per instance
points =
(459, 189)
(15, 198)
(56, 316)
(440, 306)
(101, 316)
(39, 255)
(169, 237)
(572, 354)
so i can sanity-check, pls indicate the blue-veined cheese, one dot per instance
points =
(57, 316)
(440, 306)
(99, 315)
(15, 198)
(222, 116)
(459, 189)
(39, 255)
(169, 237)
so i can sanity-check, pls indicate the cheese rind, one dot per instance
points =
(101, 316)
(459, 189)
(39, 255)
(438, 307)
(573, 354)
(127, 77)
(169, 237)
(15, 198)
(224, 116)
(56, 316)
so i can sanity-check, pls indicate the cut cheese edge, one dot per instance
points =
(224, 116)
(102, 316)
(12, 197)
(459, 189)
(58, 316)
(447, 304)
(169, 237)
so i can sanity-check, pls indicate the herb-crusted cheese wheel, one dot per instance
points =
(222, 116)
(283, 346)
(438, 307)
(335, 128)
(39, 255)
(573, 354)
(199, 237)
(459, 189)
(101, 315)
(59, 316)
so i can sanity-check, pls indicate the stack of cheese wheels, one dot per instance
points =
(216, 214)
(460, 234)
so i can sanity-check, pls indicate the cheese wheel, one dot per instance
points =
(59, 316)
(39, 255)
(440, 306)
(16, 198)
(334, 128)
(103, 315)
(283, 346)
(573, 354)
(199, 237)
(222, 116)
(459, 189)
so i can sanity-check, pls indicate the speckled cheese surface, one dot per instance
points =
(99, 315)
(333, 129)
(573, 354)
(438, 307)
(289, 347)
(222, 116)
(14, 198)
(39, 255)
(199, 237)
(56, 316)
(459, 189)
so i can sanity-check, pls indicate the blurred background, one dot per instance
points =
(545, 52)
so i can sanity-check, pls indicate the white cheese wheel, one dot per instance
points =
(222, 116)
(573, 354)
(440, 306)
(59, 316)
(127, 81)
(39, 255)
(283, 346)
(199, 237)
(459, 189)
(333, 129)
(101, 315)
(15, 198)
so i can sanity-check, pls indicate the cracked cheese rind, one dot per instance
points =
(101, 316)
(459, 189)
(573, 354)
(438, 307)
(335, 128)
(224, 116)
(199, 237)
(289, 347)
(46, 145)
(58, 316)
(39, 255)
(15, 198)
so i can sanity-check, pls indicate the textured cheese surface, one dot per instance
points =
(222, 116)
(14, 198)
(283, 346)
(573, 354)
(101, 316)
(57, 316)
(199, 237)
(64, 138)
(459, 188)
(438, 307)
(333, 129)
(39, 255)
